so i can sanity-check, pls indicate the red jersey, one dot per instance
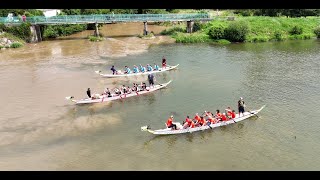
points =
(233, 115)
(169, 122)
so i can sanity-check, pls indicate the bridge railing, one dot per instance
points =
(106, 18)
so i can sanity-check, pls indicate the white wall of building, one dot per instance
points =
(50, 12)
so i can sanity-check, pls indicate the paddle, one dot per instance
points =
(252, 113)
(158, 83)
(206, 122)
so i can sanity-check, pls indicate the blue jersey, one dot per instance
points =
(156, 67)
(143, 69)
(128, 70)
(135, 70)
(149, 68)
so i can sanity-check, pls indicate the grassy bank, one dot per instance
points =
(249, 29)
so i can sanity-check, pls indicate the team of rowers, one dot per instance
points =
(205, 119)
(141, 68)
(123, 90)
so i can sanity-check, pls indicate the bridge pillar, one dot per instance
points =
(35, 34)
(189, 26)
(96, 31)
(145, 29)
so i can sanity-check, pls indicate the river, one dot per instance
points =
(41, 130)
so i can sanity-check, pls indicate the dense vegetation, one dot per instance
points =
(250, 29)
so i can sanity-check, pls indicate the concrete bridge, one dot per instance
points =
(36, 21)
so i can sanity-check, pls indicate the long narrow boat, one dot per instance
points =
(104, 98)
(168, 68)
(180, 130)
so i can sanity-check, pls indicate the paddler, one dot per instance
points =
(156, 67)
(127, 70)
(170, 123)
(135, 69)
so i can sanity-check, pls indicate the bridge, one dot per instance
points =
(105, 18)
(36, 21)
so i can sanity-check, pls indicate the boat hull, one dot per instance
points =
(136, 74)
(104, 98)
(169, 131)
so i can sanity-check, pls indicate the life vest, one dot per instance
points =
(169, 122)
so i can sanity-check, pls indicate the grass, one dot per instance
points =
(261, 29)
(12, 37)
(95, 38)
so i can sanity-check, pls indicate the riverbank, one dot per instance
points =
(241, 29)
(248, 29)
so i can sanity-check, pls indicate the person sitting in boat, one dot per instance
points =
(164, 62)
(202, 121)
(142, 69)
(218, 115)
(228, 112)
(143, 86)
(156, 67)
(129, 90)
(233, 114)
(211, 120)
(196, 117)
(124, 89)
(127, 70)
(170, 123)
(107, 92)
(187, 123)
(117, 91)
(149, 68)
(135, 69)
(114, 71)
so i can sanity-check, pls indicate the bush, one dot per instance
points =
(94, 38)
(173, 30)
(317, 31)
(49, 32)
(1, 47)
(278, 36)
(191, 38)
(22, 31)
(236, 31)
(223, 41)
(197, 26)
(3, 27)
(16, 45)
(296, 30)
(216, 32)
(300, 36)
(259, 39)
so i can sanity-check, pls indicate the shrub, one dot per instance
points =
(22, 31)
(16, 45)
(296, 30)
(94, 38)
(3, 27)
(191, 38)
(223, 41)
(216, 32)
(197, 26)
(317, 31)
(236, 31)
(173, 30)
(49, 32)
(278, 36)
